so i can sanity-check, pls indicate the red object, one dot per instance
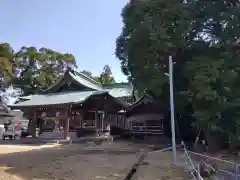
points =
(18, 127)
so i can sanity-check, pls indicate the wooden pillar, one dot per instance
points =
(97, 122)
(66, 128)
(103, 120)
(81, 118)
(66, 124)
(34, 124)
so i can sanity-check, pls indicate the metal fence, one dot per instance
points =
(193, 167)
(147, 130)
(225, 169)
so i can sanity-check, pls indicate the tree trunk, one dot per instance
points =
(233, 143)
(212, 142)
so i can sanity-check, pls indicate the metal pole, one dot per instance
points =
(198, 172)
(174, 154)
(236, 175)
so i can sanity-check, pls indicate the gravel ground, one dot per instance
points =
(77, 161)
(7, 149)
(157, 166)
(69, 162)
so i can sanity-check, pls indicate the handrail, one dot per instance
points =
(236, 174)
(206, 156)
(147, 126)
(147, 129)
(196, 170)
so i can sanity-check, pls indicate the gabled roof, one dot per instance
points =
(55, 98)
(145, 105)
(145, 99)
(87, 87)
(73, 76)
(119, 89)
(67, 97)
(116, 90)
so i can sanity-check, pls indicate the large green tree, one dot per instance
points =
(201, 36)
(6, 64)
(38, 69)
(31, 69)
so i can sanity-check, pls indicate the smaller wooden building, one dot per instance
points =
(143, 117)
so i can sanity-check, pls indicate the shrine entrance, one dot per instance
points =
(52, 125)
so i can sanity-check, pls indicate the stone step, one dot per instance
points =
(56, 135)
(51, 135)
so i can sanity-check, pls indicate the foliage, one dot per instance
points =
(6, 64)
(34, 69)
(201, 36)
(104, 78)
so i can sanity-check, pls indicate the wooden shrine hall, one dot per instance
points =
(144, 117)
(75, 101)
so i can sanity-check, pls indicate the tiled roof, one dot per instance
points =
(86, 81)
(69, 97)
(118, 90)
(51, 96)
(77, 77)
(55, 98)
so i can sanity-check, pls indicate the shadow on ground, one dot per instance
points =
(64, 162)
(83, 160)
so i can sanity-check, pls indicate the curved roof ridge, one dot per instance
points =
(74, 75)
(57, 82)
(86, 77)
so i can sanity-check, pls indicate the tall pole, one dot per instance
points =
(174, 154)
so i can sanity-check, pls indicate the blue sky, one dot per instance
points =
(87, 29)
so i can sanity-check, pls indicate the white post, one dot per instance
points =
(102, 121)
(198, 172)
(174, 154)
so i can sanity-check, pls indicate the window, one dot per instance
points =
(90, 123)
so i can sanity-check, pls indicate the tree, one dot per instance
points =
(7, 69)
(104, 78)
(38, 69)
(200, 37)
(6, 64)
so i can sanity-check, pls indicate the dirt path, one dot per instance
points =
(66, 163)
(157, 166)
(72, 162)
(7, 149)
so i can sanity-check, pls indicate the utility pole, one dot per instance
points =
(174, 154)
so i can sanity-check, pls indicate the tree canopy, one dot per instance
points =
(31, 69)
(202, 36)
(104, 78)
(6, 64)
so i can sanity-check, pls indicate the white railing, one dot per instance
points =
(225, 169)
(194, 171)
(147, 130)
